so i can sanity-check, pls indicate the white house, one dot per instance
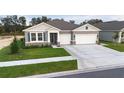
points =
(59, 32)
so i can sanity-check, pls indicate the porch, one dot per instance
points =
(121, 37)
(42, 38)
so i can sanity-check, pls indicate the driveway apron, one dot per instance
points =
(95, 56)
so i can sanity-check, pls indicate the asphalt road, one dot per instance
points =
(112, 73)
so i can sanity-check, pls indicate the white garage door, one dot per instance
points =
(65, 38)
(86, 38)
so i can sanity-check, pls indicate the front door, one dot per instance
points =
(53, 38)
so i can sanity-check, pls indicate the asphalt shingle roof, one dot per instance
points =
(63, 25)
(111, 25)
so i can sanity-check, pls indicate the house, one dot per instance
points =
(109, 29)
(59, 32)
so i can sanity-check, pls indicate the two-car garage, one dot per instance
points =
(85, 38)
(80, 38)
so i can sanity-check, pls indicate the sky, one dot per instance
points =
(77, 18)
(80, 18)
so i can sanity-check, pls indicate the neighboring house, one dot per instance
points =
(59, 32)
(109, 29)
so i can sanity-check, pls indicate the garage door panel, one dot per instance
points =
(86, 38)
(65, 38)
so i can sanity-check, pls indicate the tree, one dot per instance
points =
(13, 23)
(14, 46)
(1, 29)
(44, 19)
(72, 21)
(92, 21)
(33, 21)
(22, 21)
(7, 22)
(38, 20)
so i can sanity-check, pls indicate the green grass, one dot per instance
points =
(115, 46)
(32, 53)
(34, 69)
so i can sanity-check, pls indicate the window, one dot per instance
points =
(86, 27)
(39, 36)
(33, 36)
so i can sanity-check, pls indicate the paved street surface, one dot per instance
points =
(95, 56)
(112, 73)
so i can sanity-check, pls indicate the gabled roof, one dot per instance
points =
(111, 25)
(90, 28)
(63, 25)
(41, 27)
(56, 24)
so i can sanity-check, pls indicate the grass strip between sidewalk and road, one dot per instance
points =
(35, 69)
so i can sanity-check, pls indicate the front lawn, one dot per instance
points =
(32, 53)
(118, 47)
(34, 69)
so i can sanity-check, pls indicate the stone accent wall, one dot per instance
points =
(37, 44)
(73, 42)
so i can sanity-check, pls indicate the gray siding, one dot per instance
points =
(106, 35)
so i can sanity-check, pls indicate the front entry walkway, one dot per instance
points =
(36, 61)
(95, 56)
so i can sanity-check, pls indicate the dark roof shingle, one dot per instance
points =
(63, 25)
(111, 25)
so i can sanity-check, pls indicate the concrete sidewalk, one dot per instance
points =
(35, 61)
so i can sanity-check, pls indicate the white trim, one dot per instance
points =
(42, 36)
(120, 38)
(36, 37)
(48, 37)
(87, 25)
(31, 36)
(50, 26)
(58, 38)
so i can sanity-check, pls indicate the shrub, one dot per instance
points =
(14, 46)
(22, 43)
(38, 46)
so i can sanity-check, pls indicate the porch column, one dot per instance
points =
(58, 39)
(48, 37)
(36, 36)
(30, 37)
(119, 39)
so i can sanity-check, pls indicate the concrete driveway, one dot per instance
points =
(95, 56)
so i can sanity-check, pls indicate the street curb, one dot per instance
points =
(86, 70)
